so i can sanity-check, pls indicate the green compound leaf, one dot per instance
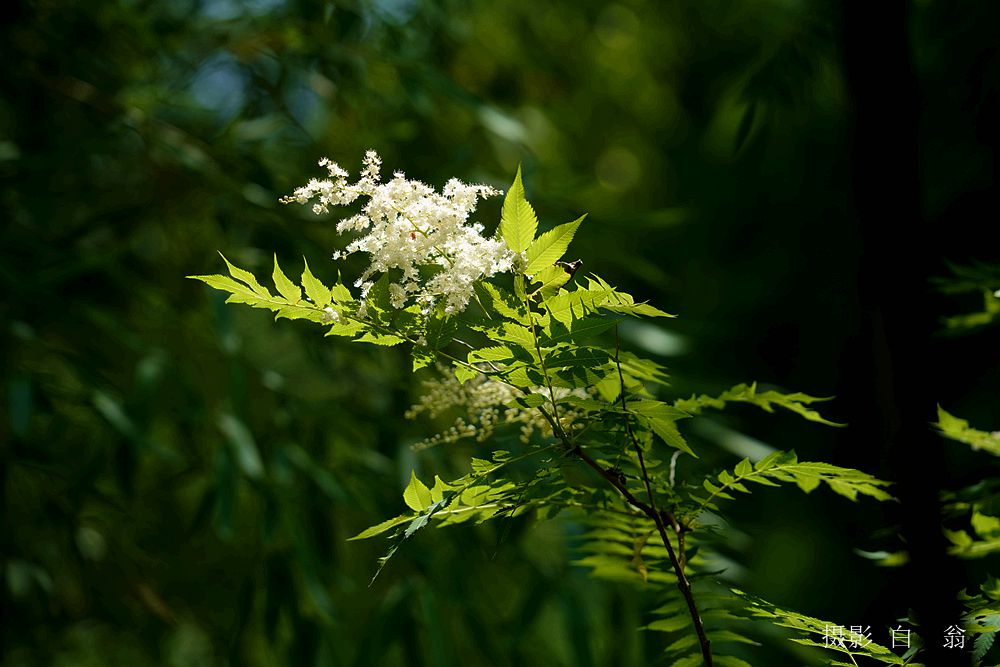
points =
(245, 289)
(785, 467)
(796, 402)
(518, 222)
(814, 632)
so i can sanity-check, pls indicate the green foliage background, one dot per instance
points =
(179, 478)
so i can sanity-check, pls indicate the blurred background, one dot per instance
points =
(178, 478)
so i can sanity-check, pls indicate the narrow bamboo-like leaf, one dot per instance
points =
(243, 445)
(551, 245)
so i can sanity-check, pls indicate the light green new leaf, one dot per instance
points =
(959, 429)
(226, 284)
(551, 279)
(382, 527)
(417, 496)
(492, 353)
(388, 340)
(518, 222)
(305, 312)
(315, 290)
(341, 294)
(348, 328)
(464, 373)
(550, 246)
(246, 277)
(286, 287)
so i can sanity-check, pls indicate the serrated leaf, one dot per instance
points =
(983, 644)
(224, 283)
(807, 475)
(958, 429)
(286, 287)
(340, 294)
(463, 373)
(766, 400)
(417, 496)
(317, 292)
(299, 313)
(422, 357)
(529, 401)
(550, 246)
(492, 353)
(246, 277)
(387, 340)
(497, 300)
(518, 222)
(349, 328)
(551, 278)
(382, 527)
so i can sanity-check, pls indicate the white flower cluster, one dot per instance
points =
(483, 404)
(410, 226)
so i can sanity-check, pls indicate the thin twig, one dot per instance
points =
(678, 560)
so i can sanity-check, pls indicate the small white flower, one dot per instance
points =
(330, 315)
(408, 225)
(484, 404)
